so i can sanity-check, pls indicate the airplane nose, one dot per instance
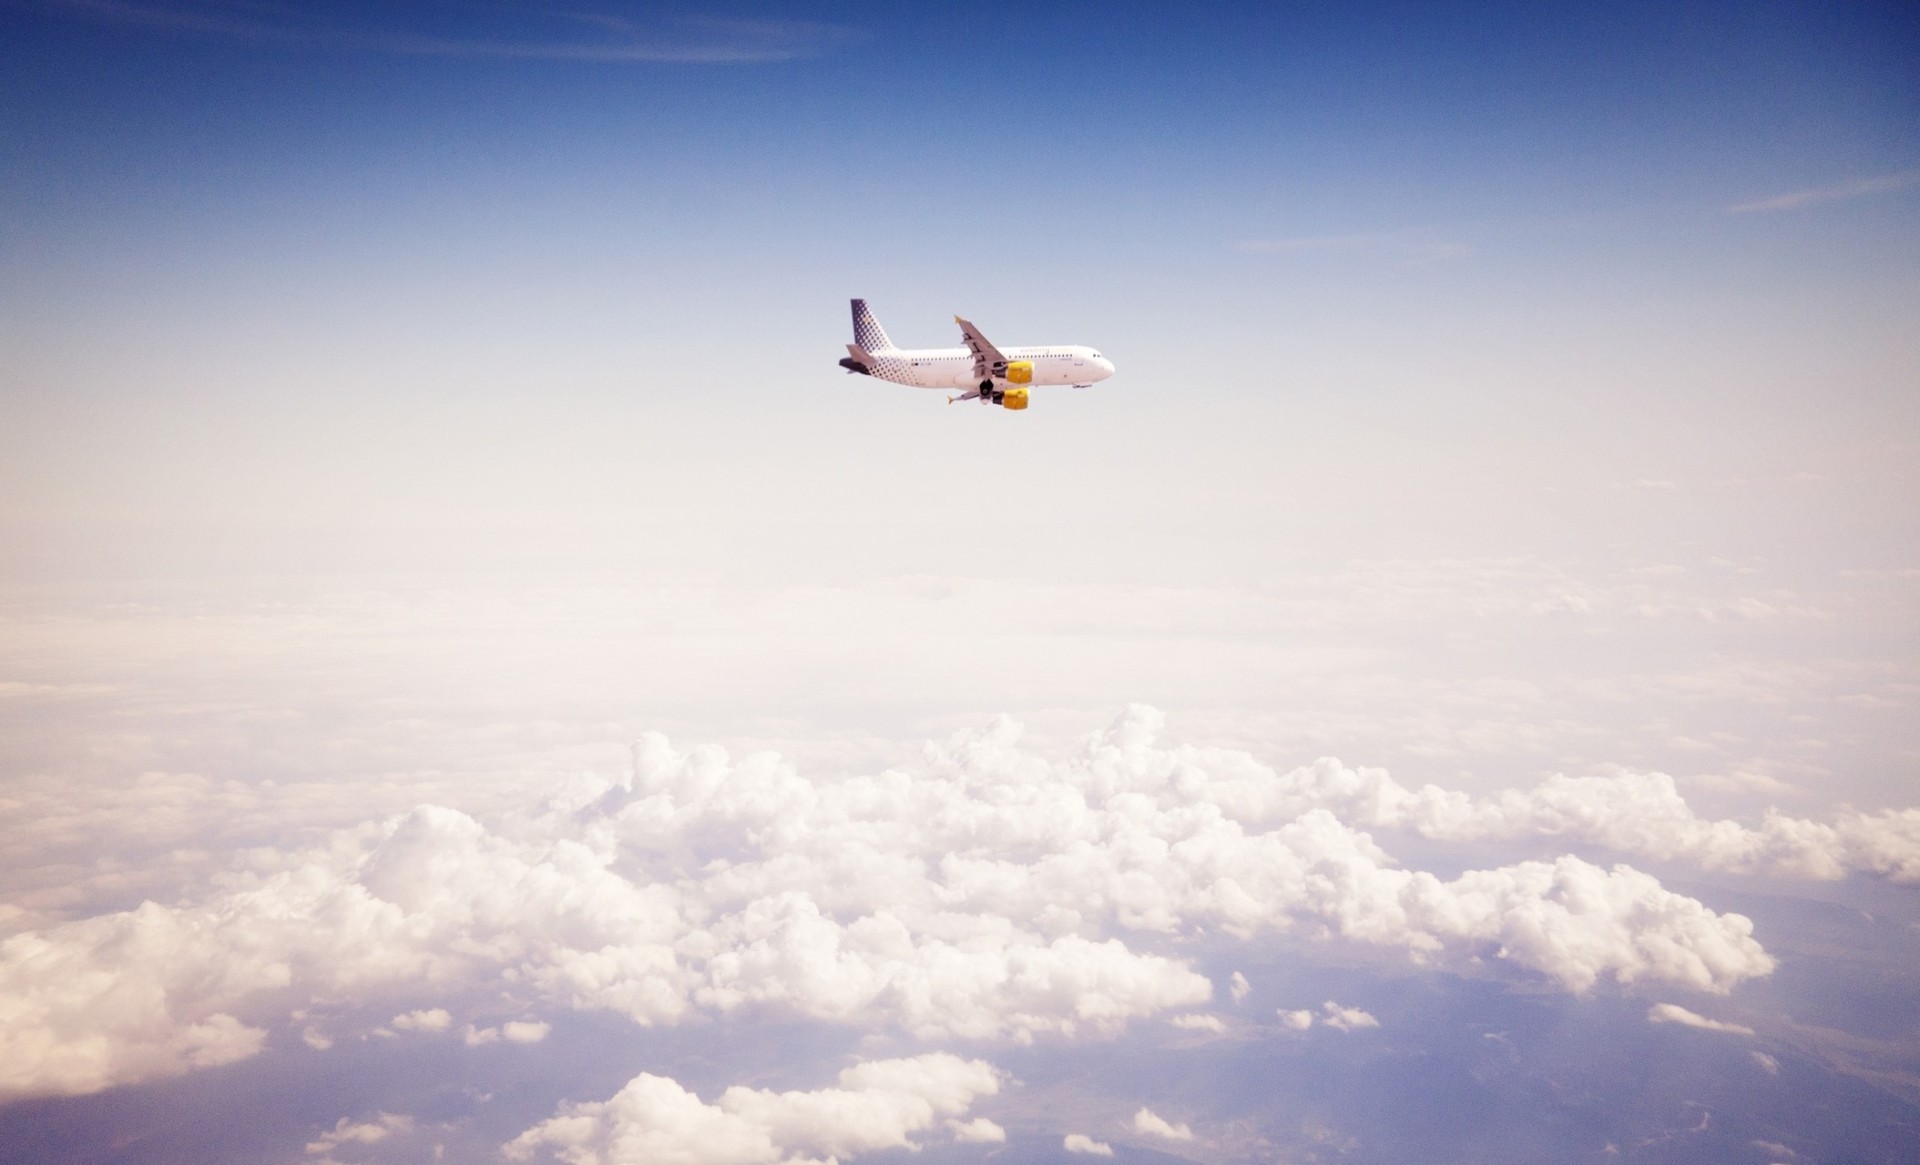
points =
(1106, 367)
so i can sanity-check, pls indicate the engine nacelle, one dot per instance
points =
(1014, 398)
(1019, 372)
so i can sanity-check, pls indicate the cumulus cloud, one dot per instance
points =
(525, 1031)
(998, 895)
(349, 1132)
(1674, 1013)
(1347, 1019)
(1152, 1124)
(1199, 1022)
(1082, 1143)
(978, 1131)
(1885, 843)
(1334, 1015)
(90, 1005)
(430, 1020)
(879, 1104)
(1637, 813)
(514, 1032)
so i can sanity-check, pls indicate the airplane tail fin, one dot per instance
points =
(867, 332)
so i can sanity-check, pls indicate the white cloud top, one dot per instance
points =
(1636, 813)
(1082, 1143)
(1334, 1015)
(434, 1019)
(1199, 1022)
(978, 1131)
(999, 896)
(1674, 1013)
(1348, 1019)
(1150, 1123)
(878, 1105)
(349, 1132)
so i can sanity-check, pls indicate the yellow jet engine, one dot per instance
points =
(1019, 372)
(1014, 398)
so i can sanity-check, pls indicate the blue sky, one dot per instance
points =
(1509, 225)
(1134, 144)
(474, 673)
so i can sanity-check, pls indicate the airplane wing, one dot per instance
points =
(987, 360)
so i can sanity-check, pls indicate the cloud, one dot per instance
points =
(348, 1132)
(1150, 1123)
(1674, 1013)
(432, 1020)
(1000, 895)
(1082, 1143)
(525, 1031)
(1638, 813)
(514, 1032)
(978, 1131)
(1767, 1063)
(1337, 1017)
(1348, 1019)
(686, 39)
(878, 1105)
(1239, 987)
(1199, 1022)
(1838, 192)
(1886, 843)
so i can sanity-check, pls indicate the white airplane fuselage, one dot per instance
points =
(985, 372)
(949, 368)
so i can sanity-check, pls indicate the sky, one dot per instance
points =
(478, 682)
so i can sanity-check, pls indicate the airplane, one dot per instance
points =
(990, 375)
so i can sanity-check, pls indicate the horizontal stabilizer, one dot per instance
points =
(857, 360)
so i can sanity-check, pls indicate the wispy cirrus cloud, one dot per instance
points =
(1674, 1013)
(1837, 192)
(470, 31)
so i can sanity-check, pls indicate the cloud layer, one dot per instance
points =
(1642, 814)
(999, 895)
